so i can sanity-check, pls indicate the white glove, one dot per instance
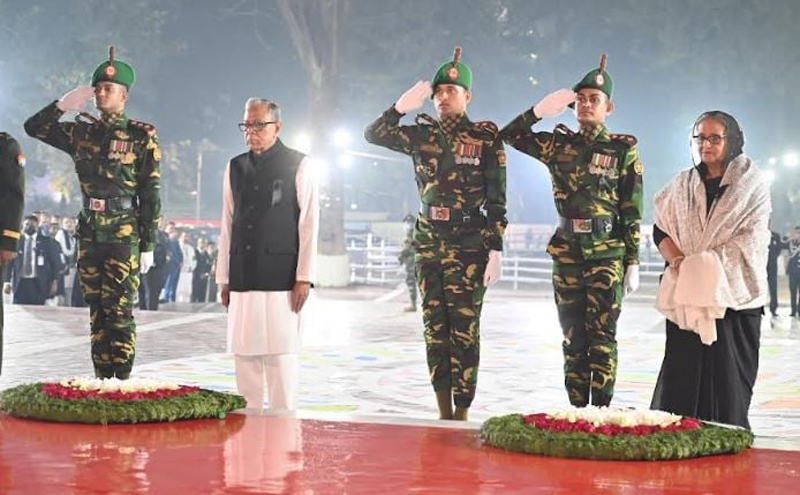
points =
(414, 98)
(145, 262)
(493, 268)
(631, 279)
(76, 99)
(554, 104)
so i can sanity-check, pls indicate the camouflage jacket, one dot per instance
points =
(114, 157)
(595, 177)
(457, 164)
(12, 196)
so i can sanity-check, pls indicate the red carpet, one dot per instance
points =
(263, 454)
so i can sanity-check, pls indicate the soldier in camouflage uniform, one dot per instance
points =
(406, 259)
(12, 197)
(460, 173)
(597, 184)
(117, 161)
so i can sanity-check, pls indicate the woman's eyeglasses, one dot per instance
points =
(713, 139)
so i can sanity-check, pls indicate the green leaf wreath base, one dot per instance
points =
(28, 401)
(512, 433)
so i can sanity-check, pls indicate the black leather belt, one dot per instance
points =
(108, 205)
(452, 215)
(586, 225)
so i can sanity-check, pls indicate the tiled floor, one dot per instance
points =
(363, 355)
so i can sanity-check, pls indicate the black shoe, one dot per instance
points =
(774, 314)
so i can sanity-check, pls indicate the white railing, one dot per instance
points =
(373, 261)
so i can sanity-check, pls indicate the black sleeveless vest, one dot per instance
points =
(264, 237)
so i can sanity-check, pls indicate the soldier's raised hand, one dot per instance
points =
(554, 104)
(76, 99)
(414, 98)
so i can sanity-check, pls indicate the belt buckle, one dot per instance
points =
(582, 226)
(440, 213)
(96, 204)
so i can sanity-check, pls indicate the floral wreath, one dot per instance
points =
(613, 434)
(104, 401)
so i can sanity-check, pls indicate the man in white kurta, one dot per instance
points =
(265, 326)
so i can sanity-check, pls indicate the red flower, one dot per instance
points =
(545, 422)
(59, 391)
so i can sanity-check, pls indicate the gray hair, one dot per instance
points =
(274, 109)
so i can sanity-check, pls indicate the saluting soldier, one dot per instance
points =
(597, 187)
(459, 166)
(117, 161)
(12, 197)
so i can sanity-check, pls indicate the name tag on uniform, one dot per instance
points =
(40, 260)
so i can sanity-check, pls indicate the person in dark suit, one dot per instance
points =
(776, 245)
(32, 277)
(12, 186)
(793, 270)
(153, 281)
(174, 265)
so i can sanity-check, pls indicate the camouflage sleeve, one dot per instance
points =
(45, 127)
(387, 132)
(148, 193)
(12, 193)
(496, 194)
(630, 204)
(518, 134)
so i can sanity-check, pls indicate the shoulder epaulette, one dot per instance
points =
(424, 119)
(624, 138)
(148, 128)
(564, 130)
(488, 127)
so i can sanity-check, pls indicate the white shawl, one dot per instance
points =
(735, 232)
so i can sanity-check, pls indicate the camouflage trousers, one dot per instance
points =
(589, 298)
(109, 276)
(452, 290)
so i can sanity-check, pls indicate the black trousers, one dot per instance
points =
(713, 383)
(794, 291)
(28, 293)
(772, 281)
(152, 283)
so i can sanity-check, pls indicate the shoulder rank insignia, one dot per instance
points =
(424, 119)
(487, 128)
(564, 130)
(624, 138)
(149, 128)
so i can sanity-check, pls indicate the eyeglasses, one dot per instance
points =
(712, 139)
(255, 126)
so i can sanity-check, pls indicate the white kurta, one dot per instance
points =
(262, 322)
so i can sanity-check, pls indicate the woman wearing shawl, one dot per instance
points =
(712, 229)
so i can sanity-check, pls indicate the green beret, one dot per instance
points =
(454, 73)
(597, 79)
(114, 71)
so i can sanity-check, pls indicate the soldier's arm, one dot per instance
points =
(519, 135)
(630, 204)
(45, 127)
(386, 131)
(495, 181)
(148, 191)
(12, 193)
